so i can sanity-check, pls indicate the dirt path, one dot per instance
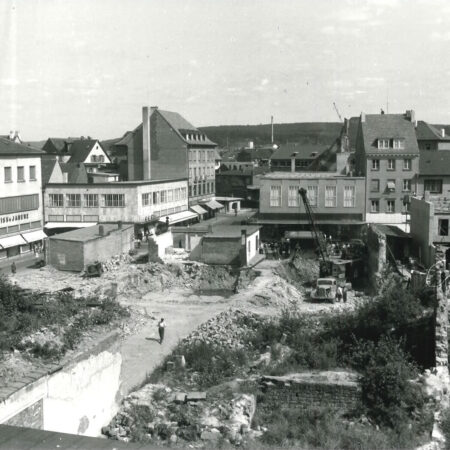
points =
(184, 311)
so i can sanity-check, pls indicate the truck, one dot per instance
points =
(325, 289)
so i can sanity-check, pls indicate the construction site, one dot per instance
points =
(260, 347)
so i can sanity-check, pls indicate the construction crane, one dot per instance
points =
(337, 112)
(325, 266)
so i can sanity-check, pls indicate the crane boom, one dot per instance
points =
(320, 244)
(337, 112)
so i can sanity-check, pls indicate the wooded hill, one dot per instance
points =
(240, 135)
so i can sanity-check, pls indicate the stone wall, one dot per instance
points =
(335, 390)
(31, 417)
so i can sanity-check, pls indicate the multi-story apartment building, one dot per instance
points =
(337, 202)
(143, 203)
(166, 146)
(387, 155)
(20, 199)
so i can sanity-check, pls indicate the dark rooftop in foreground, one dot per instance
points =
(88, 233)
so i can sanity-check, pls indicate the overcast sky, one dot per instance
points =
(86, 67)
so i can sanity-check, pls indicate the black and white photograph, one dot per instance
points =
(224, 224)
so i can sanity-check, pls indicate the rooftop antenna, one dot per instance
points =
(271, 123)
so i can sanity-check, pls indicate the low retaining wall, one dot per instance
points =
(78, 397)
(335, 390)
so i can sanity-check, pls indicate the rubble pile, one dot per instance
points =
(157, 413)
(227, 329)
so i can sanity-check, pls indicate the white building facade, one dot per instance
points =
(21, 209)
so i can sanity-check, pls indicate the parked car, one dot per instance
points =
(326, 289)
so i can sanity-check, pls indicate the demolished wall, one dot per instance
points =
(78, 397)
(338, 390)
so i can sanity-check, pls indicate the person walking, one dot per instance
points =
(161, 329)
(339, 294)
(13, 268)
(344, 294)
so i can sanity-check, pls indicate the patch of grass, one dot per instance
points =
(321, 428)
(23, 313)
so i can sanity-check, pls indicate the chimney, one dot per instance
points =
(411, 115)
(146, 144)
(442, 132)
(244, 237)
(101, 230)
(293, 161)
(11, 135)
(363, 117)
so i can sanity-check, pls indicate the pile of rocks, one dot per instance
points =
(227, 329)
(156, 413)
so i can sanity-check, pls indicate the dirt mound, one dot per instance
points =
(300, 271)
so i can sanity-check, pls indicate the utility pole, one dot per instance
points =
(271, 123)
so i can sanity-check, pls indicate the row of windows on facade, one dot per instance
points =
(298, 163)
(96, 217)
(391, 185)
(202, 171)
(389, 206)
(114, 200)
(313, 194)
(201, 188)
(391, 164)
(97, 158)
(201, 155)
(397, 143)
(8, 174)
(20, 203)
(20, 227)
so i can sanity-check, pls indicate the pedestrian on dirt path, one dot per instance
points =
(339, 294)
(13, 268)
(161, 329)
(344, 294)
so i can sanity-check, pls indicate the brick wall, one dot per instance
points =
(31, 417)
(307, 390)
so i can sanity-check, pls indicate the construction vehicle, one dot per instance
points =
(324, 263)
(325, 289)
(345, 264)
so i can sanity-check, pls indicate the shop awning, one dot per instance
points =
(198, 209)
(12, 241)
(34, 236)
(50, 225)
(179, 217)
(302, 234)
(214, 205)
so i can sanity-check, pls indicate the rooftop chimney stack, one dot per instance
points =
(293, 161)
(146, 141)
(443, 132)
(363, 117)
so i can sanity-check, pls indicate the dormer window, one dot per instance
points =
(383, 143)
(399, 143)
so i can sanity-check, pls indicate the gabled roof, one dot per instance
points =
(389, 126)
(183, 127)
(304, 151)
(427, 132)
(47, 166)
(8, 147)
(434, 162)
(80, 149)
(59, 144)
(76, 172)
